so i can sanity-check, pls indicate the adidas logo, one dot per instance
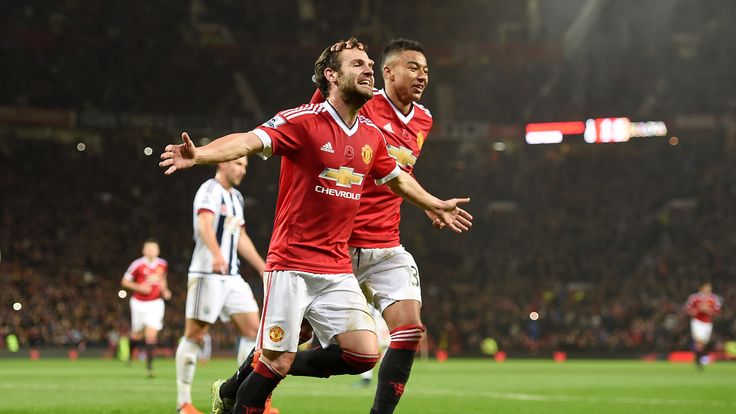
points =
(388, 127)
(327, 148)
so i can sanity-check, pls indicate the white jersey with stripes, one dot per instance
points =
(227, 206)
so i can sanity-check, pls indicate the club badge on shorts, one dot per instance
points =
(275, 334)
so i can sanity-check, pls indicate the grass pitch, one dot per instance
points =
(456, 386)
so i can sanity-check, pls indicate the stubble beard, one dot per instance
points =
(350, 93)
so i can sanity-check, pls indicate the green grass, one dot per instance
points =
(456, 386)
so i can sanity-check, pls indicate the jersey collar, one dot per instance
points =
(349, 131)
(404, 118)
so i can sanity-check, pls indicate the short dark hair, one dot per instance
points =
(329, 59)
(150, 240)
(400, 45)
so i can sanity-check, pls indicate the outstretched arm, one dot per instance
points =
(229, 147)
(447, 212)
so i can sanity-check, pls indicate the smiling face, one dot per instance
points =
(354, 80)
(407, 74)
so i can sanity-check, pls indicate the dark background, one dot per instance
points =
(604, 241)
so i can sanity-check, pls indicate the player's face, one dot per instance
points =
(234, 171)
(408, 74)
(151, 250)
(707, 288)
(355, 77)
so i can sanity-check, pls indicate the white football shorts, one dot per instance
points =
(700, 330)
(148, 313)
(332, 303)
(391, 274)
(213, 296)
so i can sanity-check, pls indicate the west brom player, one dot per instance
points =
(215, 287)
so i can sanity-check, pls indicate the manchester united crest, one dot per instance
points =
(366, 153)
(420, 139)
(276, 334)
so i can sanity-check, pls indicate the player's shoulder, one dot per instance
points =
(302, 113)
(209, 186)
(238, 195)
(363, 120)
(137, 262)
(423, 110)
(379, 101)
(162, 262)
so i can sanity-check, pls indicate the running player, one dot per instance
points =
(146, 278)
(702, 306)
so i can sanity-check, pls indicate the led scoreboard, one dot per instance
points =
(594, 131)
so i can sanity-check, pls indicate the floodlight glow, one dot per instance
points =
(544, 137)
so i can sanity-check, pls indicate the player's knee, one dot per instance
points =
(407, 337)
(278, 362)
(359, 362)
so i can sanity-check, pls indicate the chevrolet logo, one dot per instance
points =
(344, 177)
(403, 156)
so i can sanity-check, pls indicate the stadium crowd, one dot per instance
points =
(575, 233)
(604, 242)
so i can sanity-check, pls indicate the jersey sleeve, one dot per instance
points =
(279, 135)
(384, 168)
(131, 269)
(205, 199)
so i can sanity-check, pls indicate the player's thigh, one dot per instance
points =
(246, 323)
(701, 331)
(205, 298)
(137, 317)
(153, 318)
(238, 299)
(285, 300)
(338, 308)
(392, 275)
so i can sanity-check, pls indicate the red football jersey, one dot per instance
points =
(697, 301)
(323, 171)
(142, 271)
(379, 214)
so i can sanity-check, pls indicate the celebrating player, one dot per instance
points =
(328, 150)
(215, 287)
(380, 262)
(146, 278)
(702, 306)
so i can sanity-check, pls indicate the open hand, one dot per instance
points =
(178, 157)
